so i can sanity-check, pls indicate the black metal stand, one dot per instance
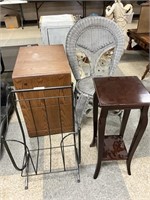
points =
(40, 152)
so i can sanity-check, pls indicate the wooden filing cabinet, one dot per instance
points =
(44, 66)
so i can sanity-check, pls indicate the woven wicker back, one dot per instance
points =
(94, 36)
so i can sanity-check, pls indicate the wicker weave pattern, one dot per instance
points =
(93, 36)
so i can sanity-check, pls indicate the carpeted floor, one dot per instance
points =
(113, 182)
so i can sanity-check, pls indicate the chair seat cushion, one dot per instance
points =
(85, 86)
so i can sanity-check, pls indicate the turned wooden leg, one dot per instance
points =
(129, 47)
(146, 71)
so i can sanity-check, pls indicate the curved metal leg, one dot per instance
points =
(138, 135)
(100, 140)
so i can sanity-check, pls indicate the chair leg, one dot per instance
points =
(80, 108)
(146, 71)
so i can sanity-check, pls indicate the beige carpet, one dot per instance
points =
(133, 63)
(113, 182)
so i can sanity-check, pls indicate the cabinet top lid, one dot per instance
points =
(40, 61)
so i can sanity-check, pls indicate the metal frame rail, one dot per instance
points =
(32, 153)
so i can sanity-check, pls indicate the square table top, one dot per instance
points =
(121, 92)
(44, 60)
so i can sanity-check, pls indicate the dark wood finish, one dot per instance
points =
(124, 93)
(146, 71)
(44, 66)
(141, 35)
(114, 148)
(143, 40)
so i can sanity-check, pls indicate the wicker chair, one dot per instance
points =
(94, 37)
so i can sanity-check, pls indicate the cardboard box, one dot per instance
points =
(12, 21)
